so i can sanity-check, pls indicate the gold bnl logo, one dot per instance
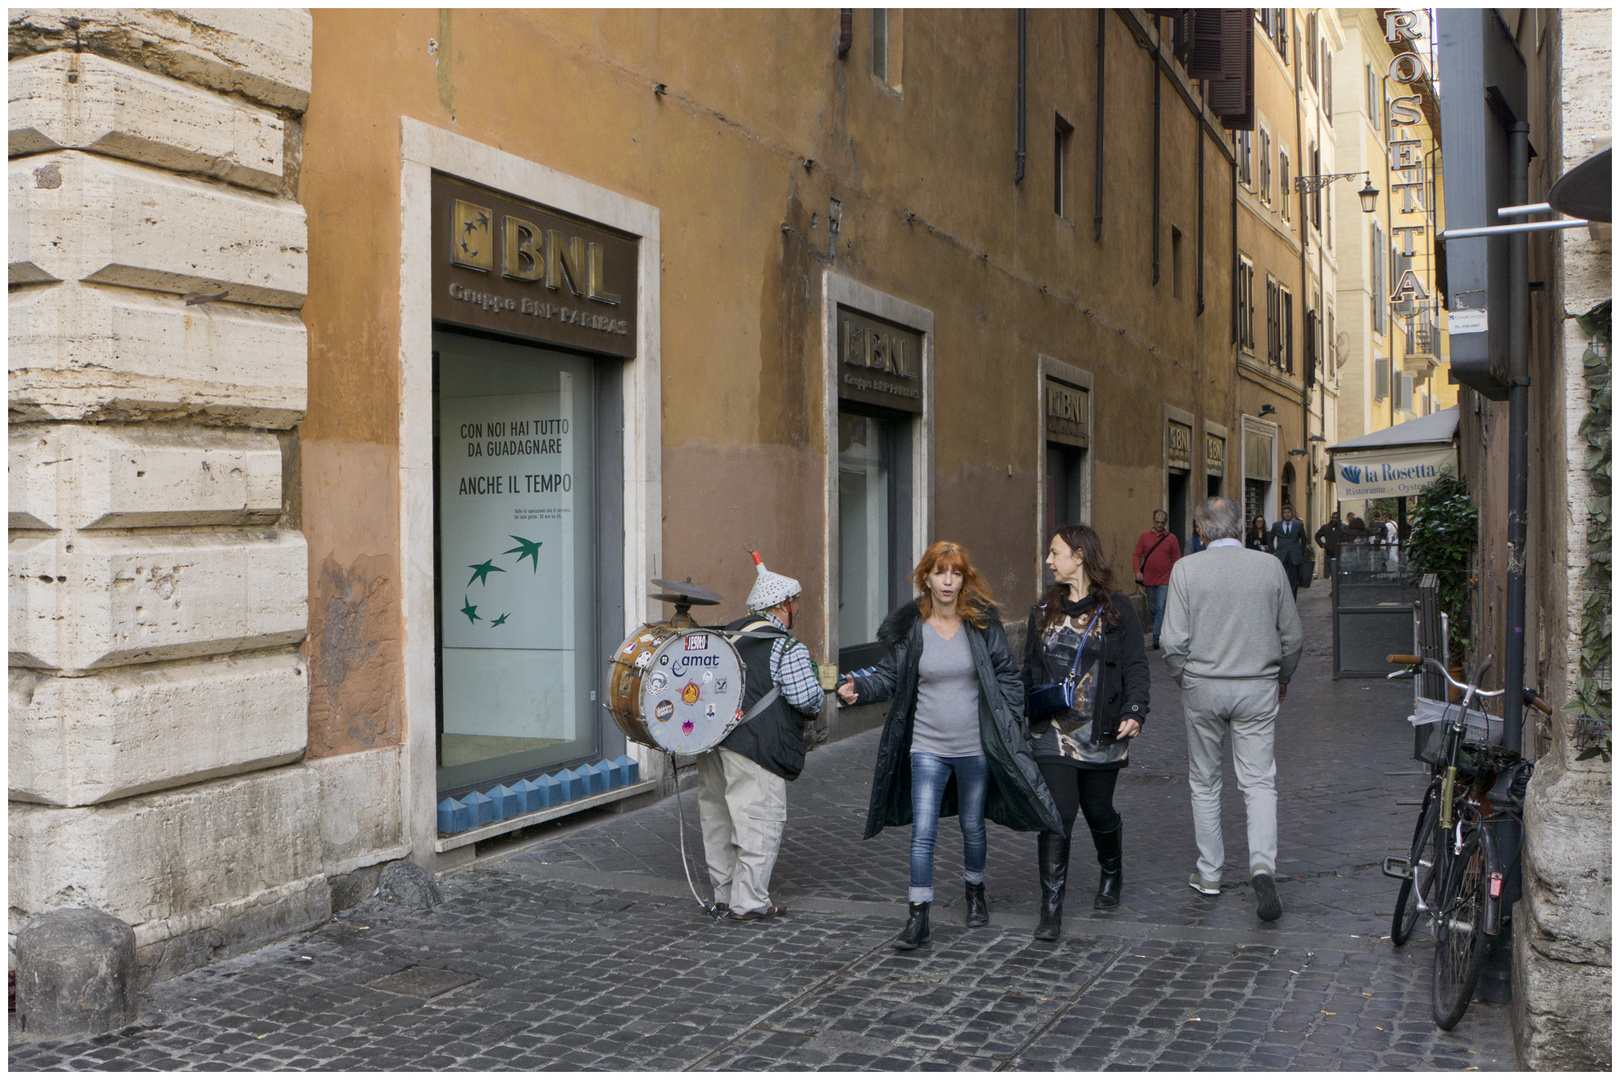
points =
(529, 252)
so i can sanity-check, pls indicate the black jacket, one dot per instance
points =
(775, 738)
(1017, 796)
(1125, 676)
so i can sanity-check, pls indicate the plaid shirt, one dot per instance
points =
(794, 672)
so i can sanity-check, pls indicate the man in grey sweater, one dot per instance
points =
(1231, 641)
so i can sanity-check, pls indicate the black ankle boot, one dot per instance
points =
(1111, 857)
(916, 931)
(978, 913)
(1052, 850)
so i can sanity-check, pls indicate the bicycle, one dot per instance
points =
(1455, 872)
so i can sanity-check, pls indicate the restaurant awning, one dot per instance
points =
(1398, 460)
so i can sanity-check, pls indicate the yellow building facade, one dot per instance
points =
(1390, 354)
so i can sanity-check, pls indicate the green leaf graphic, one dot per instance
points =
(470, 610)
(481, 571)
(526, 549)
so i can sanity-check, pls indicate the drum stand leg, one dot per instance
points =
(686, 862)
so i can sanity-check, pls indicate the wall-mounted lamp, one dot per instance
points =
(1309, 185)
(1296, 453)
(1267, 410)
(1317, 438)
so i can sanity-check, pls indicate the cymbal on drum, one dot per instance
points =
(684, 593)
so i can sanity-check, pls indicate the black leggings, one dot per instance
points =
(1088, 791)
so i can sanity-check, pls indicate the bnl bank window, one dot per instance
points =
(880, 399)
(534, 320)
(516, 546)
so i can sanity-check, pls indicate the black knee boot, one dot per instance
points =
(1111, 857)
(916, 931)
(978, 913)
(1053, 852)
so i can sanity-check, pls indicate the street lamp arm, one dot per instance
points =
(1309, 185)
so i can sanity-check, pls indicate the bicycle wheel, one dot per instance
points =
(1419, 883)
(1459, 919)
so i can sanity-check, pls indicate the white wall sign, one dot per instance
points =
(1389, 474)
(506, 520)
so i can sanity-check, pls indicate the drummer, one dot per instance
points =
(742, 783)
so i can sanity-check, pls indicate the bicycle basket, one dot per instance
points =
(1431, 716)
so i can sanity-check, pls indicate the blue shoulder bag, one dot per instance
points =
(1050, 698)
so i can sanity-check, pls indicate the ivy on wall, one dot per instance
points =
(1445, 529)
(1592, 700)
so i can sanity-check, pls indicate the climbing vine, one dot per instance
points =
(1445, 528)
(1592, 700)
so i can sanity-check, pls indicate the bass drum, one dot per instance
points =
(678, 689)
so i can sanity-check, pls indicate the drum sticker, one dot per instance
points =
(664, 709)
(643, 660)
(643, 638)
(697, 642)
(624, 682)
(663, 659)
(690, 693)
(720, 687)
(708, 710)
(686, 727)
(629, 646)
(657, 683)
(708, 676)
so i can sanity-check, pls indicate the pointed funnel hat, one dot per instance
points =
(770, 589)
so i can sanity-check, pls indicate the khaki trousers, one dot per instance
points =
(743, 807)
(1247, 708)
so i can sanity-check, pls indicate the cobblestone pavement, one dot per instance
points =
(586, 951)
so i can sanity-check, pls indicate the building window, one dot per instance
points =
(1374, 97)
(1308, 46)
(1285, 327)
(1265, 166)
(1245, 303)
(1281, 39)
(1284, 194)
(1332, 364)
(517, 653)
(1271, 320)
(1327, 83)
(1245, 158)
(1060, 162)
(1068, 423)
(880, 43)
(1376, 261)
(1381, 378)
(1175, 261)
(874, 521)
(1316, 196)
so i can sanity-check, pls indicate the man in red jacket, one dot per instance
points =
(1156, 552)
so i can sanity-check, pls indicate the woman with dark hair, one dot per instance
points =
(1258, 537)
(954, 739)
(1083, 636)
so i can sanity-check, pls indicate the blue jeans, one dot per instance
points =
(1157, 595)
(929, 775)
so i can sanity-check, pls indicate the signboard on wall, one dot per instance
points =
(513, 267)
(1390, 474)
(1214, 455)
(1178, 446)
(879, 363)
(1067, 414)
(1257, 454)
(506, 488)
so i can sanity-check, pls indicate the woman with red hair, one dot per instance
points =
(954, 740)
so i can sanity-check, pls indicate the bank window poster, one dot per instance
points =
(515, 563)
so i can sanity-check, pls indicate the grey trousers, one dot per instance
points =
(743, 807)
(1247, 708)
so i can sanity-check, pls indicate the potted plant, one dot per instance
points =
(1445, 528)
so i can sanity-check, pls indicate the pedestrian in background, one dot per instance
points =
(1328, 538)
(742, 783)
(1232, 641)
(1257, 538)
(954, 741)
(1195, 544)
(1156, 552)
(1288, 544)
(1084, 632)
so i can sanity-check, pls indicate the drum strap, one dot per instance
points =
(760, 629)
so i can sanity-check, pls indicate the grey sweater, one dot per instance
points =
(1230, 615)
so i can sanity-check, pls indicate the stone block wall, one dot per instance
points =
(159, 577)
(1563, 926)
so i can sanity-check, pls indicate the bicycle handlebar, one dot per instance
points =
(1531, 698)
